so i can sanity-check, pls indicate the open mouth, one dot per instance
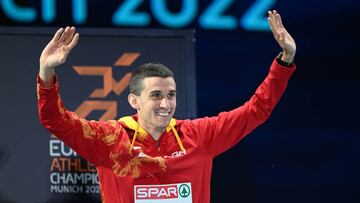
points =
(163, 114)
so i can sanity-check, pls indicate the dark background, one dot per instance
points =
(308, 150)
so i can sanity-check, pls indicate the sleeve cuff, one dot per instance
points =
(39, 82)
(283, 63)
(54, 89)
(282, 71)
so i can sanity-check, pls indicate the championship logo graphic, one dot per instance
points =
(109, 84)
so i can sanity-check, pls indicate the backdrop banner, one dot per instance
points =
(34, 165)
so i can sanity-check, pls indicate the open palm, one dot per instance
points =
(281, 35)
(57, 50)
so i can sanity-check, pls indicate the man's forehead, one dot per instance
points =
(159, 83)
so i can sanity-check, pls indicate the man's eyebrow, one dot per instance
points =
(155, 91)
(158, 91)
(162, 91)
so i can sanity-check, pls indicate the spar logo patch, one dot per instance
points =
(157, 192)
(163, 193)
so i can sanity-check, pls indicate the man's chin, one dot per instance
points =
(164, 124)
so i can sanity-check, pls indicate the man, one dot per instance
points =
(150, 156)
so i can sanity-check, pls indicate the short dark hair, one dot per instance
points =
(147, 70)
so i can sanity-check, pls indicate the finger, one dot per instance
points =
(70, 35)
(273, 30)
(271, 25)
(57, 34)
(74, 41)
(64, 34)
(274, 20)
(271, 15)
(278, 20)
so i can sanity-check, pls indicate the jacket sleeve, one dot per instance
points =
(223, 131)
(92, 140)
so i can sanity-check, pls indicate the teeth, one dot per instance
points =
(164, 114)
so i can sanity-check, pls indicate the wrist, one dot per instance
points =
(287, 60)
(47, 76)
(287, 57)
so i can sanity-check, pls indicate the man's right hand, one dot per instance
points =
(55, 53)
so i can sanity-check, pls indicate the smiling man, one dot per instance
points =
(150, 156)
(153, 90)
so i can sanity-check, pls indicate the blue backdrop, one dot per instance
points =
(308, 150)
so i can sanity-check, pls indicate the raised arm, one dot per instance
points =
(282, 36)
(223, 131)
(93, 140)
(55, 54)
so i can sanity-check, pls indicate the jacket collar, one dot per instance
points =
(131, 123)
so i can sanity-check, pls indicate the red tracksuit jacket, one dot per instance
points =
(165, 162)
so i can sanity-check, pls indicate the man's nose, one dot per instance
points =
(164, 103)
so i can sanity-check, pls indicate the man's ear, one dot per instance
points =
(133, 101)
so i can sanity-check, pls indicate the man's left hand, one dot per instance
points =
(284, 39)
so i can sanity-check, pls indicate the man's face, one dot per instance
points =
(157, 102)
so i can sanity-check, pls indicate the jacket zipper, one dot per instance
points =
(158, 146)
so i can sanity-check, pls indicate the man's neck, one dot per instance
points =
(153, 131)
(155, 134)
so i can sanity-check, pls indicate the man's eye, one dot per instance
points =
(171, 95)
(156, 95)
